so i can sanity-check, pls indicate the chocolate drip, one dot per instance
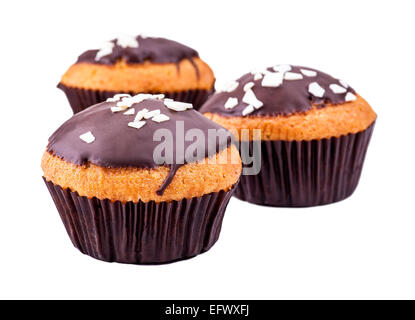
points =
(196, 68)
(169, 179)
(118, 145)
(292, 96)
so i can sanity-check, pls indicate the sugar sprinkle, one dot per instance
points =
(117, 97)
(350, 97)
(105, 50)
(129, 112)
(308, 73)
(251, 99)
(136, 124)
(316, 90)
(248, 86)
(272, 79)
(231, 103)
(87, 137)
(127, 41)
(257, 76)
(249, 109)
(140, 114)
(292, 76)
(160, 118)
(337, 89)
(282, 68)
(151, 114)
(176, 105)
(118, 109)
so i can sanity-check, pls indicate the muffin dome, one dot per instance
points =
(290, 103)
(108, 152)
(139, 50)
(135, 65)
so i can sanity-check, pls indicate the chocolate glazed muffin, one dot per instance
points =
(118, 197)
(315, 131)
(137, 65)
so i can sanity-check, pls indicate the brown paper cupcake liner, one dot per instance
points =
(80, 99)
(306, 173)
(141, 233)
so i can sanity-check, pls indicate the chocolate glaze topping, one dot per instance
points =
(157, 50)
(291, 96)
(118, 145)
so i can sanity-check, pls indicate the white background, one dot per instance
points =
(363, 247)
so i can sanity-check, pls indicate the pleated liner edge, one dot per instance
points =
(306, 173)
(80, 99)
(141, 233)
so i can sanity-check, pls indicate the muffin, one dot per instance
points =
(125, 186)
(137, 65)
(314, 133)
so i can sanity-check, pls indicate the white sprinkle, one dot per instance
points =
(257, 76)
(176, 105)
(127, 42)
(136, 124)
(158, 96)
(350, 97)
(344, 83)
(139, 97)
(125, 103)
(143, 96)
(308, 73)
(160, 118)
(118, 97)
(128, 101)
(118, 109)
(250, 98)
(151, 114)
(88, 137)
(248, 86)
(231, 103)
(102, 53)
(105, 50)
(129, 112)
(249, 109)
(282, 68)
(140, 114)
(272, 79)
(292, 76)
(316, 90)
(337, 89)
(231, 86)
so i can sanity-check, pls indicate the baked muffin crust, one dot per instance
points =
(145, 77)
(318, 123)
(134, 184)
